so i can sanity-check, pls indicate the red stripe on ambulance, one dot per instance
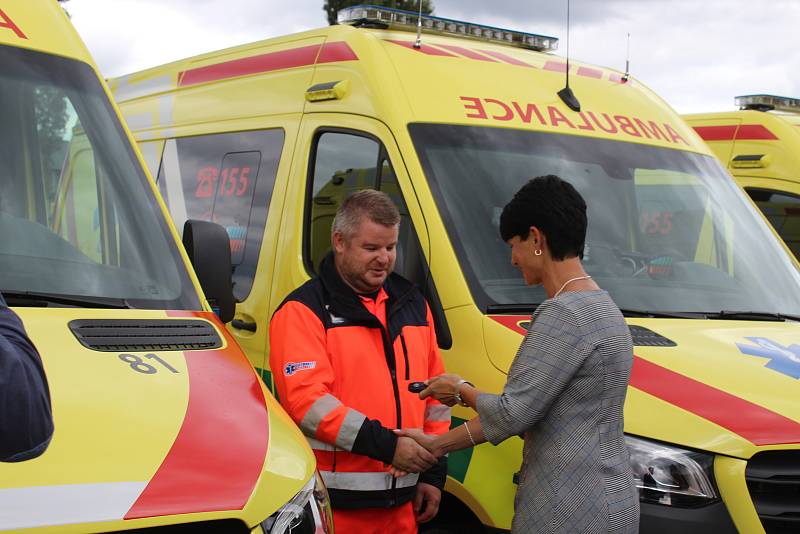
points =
(590, 73)
(425, 49)
(754, 423)
(335, 52)
(505, 58)
(285, 59)
(730, 132)
(217, 457)
(466, 52)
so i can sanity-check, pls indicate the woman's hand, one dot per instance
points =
(428, 441)
(442, 388)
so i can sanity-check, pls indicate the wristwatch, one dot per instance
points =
(457, 394)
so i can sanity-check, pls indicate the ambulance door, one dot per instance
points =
(336, 156)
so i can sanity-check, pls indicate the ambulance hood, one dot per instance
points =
(724, 386)
(142, 432)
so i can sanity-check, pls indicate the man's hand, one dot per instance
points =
(426, 502)
(426, 440)
(411, 457)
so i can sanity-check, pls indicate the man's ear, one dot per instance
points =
(337, 242)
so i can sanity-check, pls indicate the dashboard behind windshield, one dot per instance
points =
(668, 230)
(77, 216)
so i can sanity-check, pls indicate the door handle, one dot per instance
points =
(243, 325)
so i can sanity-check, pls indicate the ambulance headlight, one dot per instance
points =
(671, 476)
(309, 512)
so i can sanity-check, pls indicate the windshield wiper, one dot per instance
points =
(42, 300)
(629, 312)
(751, 316)
(526, 309)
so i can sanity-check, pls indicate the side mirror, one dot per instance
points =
(209, 249)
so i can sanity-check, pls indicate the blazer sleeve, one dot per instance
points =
(547, 360)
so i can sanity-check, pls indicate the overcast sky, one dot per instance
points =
(697, 54)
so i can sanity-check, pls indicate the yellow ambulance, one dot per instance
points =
(760, 146)
(160, 421)
(267, 138)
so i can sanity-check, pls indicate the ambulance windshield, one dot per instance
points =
(669, 231)
(79, 224)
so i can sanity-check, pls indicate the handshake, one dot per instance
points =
(417, 451)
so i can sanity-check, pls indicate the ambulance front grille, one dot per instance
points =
(221, 526)
(135, 335)
(773, 479)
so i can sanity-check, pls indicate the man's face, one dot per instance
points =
(366, 258)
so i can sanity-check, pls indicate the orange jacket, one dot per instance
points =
(342, 364)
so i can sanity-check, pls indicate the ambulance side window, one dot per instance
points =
(228, 179)
(342, 164)
(782, 210)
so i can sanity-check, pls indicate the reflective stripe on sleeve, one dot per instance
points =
(352, 423)
(437, 412)
(314, 416)
(318, 445)
(366, 481)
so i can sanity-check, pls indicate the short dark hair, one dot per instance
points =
(553, 206)
(377, 206)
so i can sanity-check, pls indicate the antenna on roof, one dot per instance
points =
(566, 94)
(418, 42)
(627, 61)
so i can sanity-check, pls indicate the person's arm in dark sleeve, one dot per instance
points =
(436, 475)
(26, 422)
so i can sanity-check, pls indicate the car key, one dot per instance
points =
(417, 387)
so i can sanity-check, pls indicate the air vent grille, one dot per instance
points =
(644, 337)
(135, 335)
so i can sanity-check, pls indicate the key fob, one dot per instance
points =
(417, 387)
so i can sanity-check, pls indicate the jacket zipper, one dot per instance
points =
(405, 354)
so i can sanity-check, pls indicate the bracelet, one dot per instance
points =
(457, 394)
(466, 426)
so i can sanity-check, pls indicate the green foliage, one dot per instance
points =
(332, 6)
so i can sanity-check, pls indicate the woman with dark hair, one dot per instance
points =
(566, 386)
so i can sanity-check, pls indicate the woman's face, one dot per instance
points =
(524, 258)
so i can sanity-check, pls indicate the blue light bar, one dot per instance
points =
(396, 19)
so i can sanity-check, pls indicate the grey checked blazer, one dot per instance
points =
(565, 391)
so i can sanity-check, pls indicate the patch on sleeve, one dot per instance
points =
(291, 368)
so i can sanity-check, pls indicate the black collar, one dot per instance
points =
(345, 302)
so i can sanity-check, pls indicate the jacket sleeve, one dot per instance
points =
(304, 380)
(26, 422)
(437, 415)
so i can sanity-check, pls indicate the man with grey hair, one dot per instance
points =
(344, 347)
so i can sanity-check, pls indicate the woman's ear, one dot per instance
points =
(537, 236)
